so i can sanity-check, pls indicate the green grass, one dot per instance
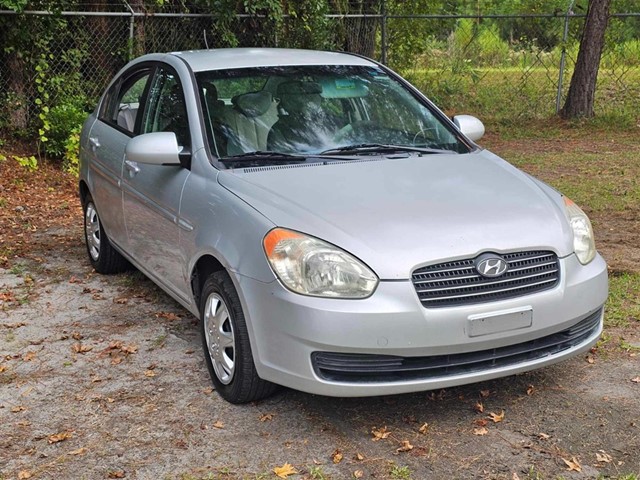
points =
(400, 473)
(509, 94)
(623, 306)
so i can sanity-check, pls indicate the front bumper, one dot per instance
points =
(287, 329)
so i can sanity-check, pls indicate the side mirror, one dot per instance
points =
(157, 148)
(470, 126)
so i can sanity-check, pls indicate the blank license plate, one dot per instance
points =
(502, 321)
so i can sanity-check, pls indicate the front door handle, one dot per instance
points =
(95, 143)
(132, 167)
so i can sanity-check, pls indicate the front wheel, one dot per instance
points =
(225, 340)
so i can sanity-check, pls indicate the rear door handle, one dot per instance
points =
(95, 143)
(132, 167)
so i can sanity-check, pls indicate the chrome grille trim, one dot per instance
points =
(458, 283)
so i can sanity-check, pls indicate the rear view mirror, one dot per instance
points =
(157, 148)
(470, 126)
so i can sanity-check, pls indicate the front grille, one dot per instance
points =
(366, 368)
(459, 283)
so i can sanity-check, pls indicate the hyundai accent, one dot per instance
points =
(331, 228)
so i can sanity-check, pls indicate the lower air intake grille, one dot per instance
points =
(459, 283)
(365, 368)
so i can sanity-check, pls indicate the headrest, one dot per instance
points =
(253, 104)
(211, 90)
(298, 87)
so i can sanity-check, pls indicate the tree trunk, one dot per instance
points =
(17, 88)
(579, 102)
(360, 32)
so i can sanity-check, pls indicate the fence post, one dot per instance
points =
(131, 29)
(383, 47)
(563, 55)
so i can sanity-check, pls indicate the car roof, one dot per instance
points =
(224, 58)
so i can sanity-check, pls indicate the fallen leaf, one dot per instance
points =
(265, 417)
(129, 349)
(116, 360)
(208, 390)
(359, 457)
(218, 424)
(74, 279)
(544, 436)
(424, 428)
(481, 422)
(2, 368)
(336, 456)
(149, 373)
(285, 470)
(116, 474)
(24, 474)
(80, 451)
(590, 359)
(636, 380)
(484, 393)
(168, 315)
(29, 356)
(379, 433)
(17, 409)
(530, 390)
(59, 437)
(572, 464)
(603, 457)
(479, 407)
(496, 417)
(405, 447)
(76, 336)
(480, 431)
(120, 300)
(14, 325)
(358, 474)
(79, 348)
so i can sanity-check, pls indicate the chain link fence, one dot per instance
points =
(501, 67)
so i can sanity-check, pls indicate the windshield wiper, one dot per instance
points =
(381, 148)
(264, 155)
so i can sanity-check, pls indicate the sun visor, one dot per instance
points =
(343, 88)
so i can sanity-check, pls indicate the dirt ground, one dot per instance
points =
(103, 377)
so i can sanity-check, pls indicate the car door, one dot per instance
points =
(109, 135)
(152, 192)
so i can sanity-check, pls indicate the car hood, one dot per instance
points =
(399, 213)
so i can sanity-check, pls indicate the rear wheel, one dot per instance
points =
(225, 340)
(103, 257)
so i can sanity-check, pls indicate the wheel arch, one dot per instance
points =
(84, 191)
(205, 266)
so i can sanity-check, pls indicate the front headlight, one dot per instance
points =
(583, 242)
(310, 266)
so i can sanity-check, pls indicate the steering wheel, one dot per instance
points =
(427, 133)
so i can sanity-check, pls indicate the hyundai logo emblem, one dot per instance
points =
(491, 265)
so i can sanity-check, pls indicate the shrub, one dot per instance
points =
(64, 119)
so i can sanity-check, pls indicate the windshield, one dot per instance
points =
(308, 110)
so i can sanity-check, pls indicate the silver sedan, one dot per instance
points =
(331, 228)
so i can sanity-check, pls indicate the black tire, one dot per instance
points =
(225, 341)
(103, 257)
